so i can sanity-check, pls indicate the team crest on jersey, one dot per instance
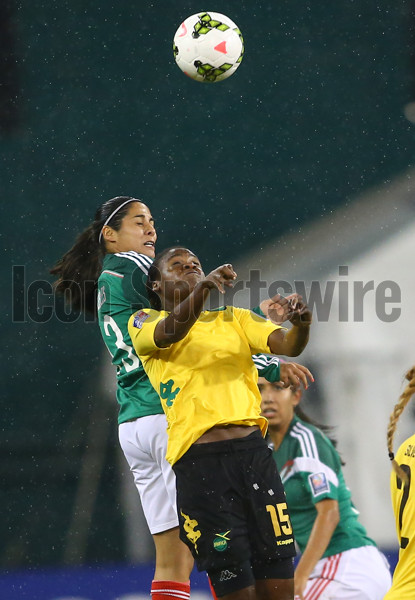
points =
(319, 483)
(139, 319)
(220, 543)
(287, 470)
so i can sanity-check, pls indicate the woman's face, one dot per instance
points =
(277, 403)
(180, 270)
(137, 232)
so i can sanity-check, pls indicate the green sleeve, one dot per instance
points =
(268, 366)
(322, 480)
(258, 311)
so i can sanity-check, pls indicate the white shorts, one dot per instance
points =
(357, 574)
(144, 443)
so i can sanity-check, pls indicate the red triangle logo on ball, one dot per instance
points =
(221, 48)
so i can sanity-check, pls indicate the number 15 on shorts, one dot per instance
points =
(280, 519)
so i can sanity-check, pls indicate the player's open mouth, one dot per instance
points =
(149, 244)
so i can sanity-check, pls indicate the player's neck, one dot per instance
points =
(277, 435)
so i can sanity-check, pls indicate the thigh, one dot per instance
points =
(271, 533)
(211, 514)
(143, 442)
(274, 589)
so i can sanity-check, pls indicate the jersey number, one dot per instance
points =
(280, 519)
(404, 500)
(131, 361)
(167, 393)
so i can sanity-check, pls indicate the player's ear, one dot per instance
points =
(296, 396)
(109, 234)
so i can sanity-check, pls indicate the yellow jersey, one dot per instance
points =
(403, 503)
(208, 378)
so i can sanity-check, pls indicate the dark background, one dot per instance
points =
(92, 105)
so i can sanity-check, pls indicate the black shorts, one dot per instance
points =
(232, 506)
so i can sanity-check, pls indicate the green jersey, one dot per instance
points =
(310, 469)
(121, 292)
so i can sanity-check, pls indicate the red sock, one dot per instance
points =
(170, 590)
(212, 591)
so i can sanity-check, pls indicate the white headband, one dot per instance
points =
(114, 213)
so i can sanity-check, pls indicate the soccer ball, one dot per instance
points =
(208, 47)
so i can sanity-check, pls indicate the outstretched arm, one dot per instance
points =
(178, 323)
(293, 342)
(289, 373)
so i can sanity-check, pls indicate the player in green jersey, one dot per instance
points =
(105, 272)
(403, 500)
(338, 559)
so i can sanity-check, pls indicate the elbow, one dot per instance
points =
(167, 339)
(294, 352)
(285, 350)
(167, 332)
(164, 342)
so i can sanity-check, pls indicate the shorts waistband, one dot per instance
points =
(253, 440)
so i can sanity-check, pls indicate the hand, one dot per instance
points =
(278, 309)
(221, 276)
(300, 313)
(300, 584)
(295, 374)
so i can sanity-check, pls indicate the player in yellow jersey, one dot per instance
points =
(105, 273)
(231, 503)
(403, 500)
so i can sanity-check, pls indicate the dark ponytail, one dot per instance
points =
(78, 270)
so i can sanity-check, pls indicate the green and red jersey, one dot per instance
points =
(310, 469)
